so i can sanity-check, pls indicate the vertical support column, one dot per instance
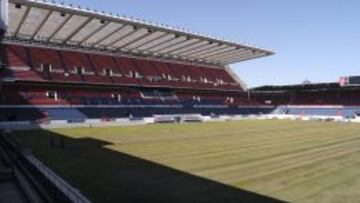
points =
(4, 16)
(4, 21)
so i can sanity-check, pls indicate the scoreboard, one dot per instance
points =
(350, 81)
(354, 80)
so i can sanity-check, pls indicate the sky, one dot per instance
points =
(315, 40)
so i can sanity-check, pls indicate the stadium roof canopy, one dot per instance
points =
(50, 23)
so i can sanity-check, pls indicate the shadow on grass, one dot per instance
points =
(105, 175)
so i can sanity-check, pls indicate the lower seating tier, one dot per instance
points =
(37, 101)
(79, 114)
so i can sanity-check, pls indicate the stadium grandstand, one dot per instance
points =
(328, 99)
(73, 64)
(63, 67)
(69, 64)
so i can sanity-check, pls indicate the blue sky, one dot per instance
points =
(318, 40)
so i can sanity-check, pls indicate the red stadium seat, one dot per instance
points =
(19, 67)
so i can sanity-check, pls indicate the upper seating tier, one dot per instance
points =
(44, 64)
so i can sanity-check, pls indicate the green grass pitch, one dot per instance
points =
(288, 160)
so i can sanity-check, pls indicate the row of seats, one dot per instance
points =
(79, 114)
(40, 64)
(347, 112)
(26, 94)
(40, 95)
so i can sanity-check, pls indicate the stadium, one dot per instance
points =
(96, 107)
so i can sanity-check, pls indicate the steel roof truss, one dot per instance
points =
(215, 50)
(60, 27)
(93, 33)
(41, 24)
(23, 18)
(108, 36)
(77, 30)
